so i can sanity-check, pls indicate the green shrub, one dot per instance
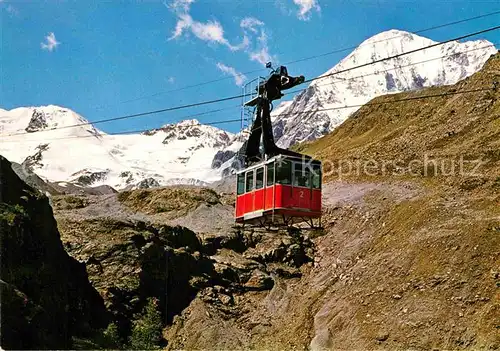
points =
(102, 339)
(111, 337)
(69, 202)
(75, 202)
(9, 213)
(147, 330)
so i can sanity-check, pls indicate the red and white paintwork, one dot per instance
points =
(278, 200)
(278, 204)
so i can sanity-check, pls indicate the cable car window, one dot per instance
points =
(284, 172)
(259, 180)
(270, 174)
(241, 184)
(249, 181)
(301, 175)
(306, 178)
(297, 172)
(316, 176)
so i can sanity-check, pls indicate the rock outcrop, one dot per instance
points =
(30, 178)
(46, 295)
(129, 262)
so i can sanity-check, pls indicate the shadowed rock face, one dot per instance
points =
(147, 183)
(46, 295)
(87, 178)
(30, 178)
(37, 122)
(221, 157)
(128, 262)
(35, 159)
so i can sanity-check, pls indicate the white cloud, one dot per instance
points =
(262, 56)
(212, 32)
(184, 22)
(261, 53)
(181, 5)
(245, 43)
(239, 78)
(305, 8)
(51, 43)
(251, 23)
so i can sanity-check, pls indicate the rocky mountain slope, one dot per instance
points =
(406, 260)
(453, 133)
(47, 299)
(273, 290)
(441, 65)
(133, 250)
(381, 275)
(190, 153)
(409, 258)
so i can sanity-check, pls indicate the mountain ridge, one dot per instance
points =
(402, 261)
(174, 153)
(442, 65)
(189, 152)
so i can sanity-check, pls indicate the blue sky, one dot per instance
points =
(110, 58)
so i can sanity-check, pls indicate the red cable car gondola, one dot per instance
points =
(276, 186)
(282, 190)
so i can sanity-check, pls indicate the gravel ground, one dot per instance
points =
(219, 218)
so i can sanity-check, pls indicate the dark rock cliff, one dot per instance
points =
(47, 298)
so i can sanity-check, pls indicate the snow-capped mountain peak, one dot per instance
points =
(44, 118)
(39, 138)
(440, 65)
(60, 145)
(389, 35)
(195, 133)
(187, 122)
